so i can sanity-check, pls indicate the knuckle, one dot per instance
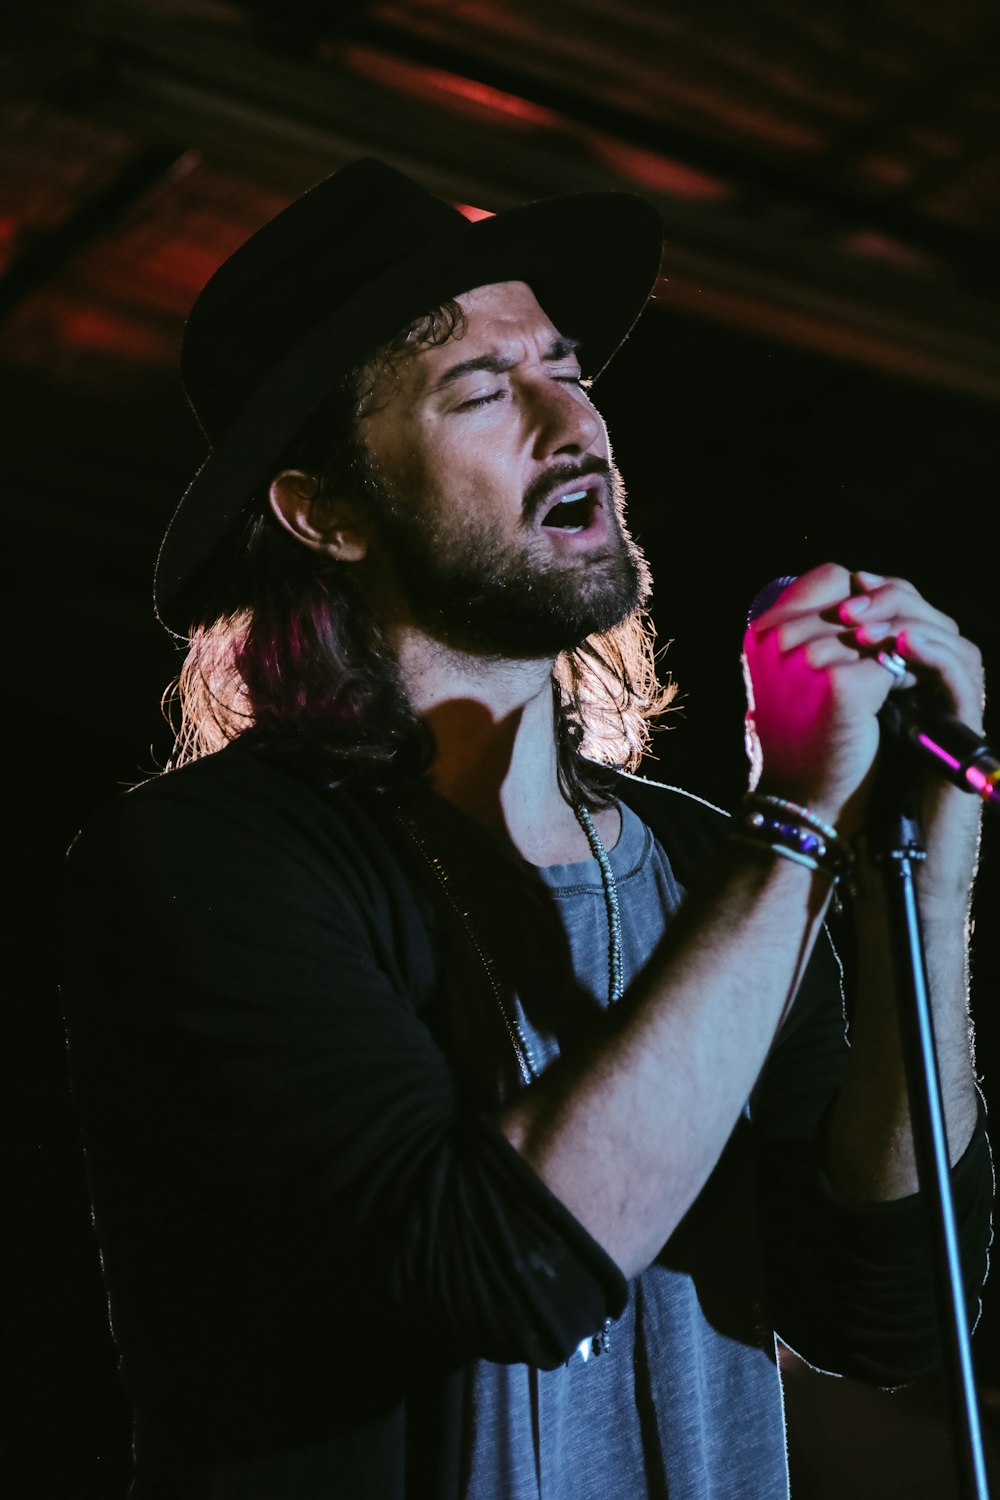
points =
(890, 597)
(833, 575)
(816, 652)
(786, 636)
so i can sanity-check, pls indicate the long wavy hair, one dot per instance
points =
(289, 652)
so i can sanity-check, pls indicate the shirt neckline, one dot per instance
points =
(626, 856)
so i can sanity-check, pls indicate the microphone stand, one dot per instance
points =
(897, 843)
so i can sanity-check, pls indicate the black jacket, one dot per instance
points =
(309, 1222)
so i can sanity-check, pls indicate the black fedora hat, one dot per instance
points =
(340, 271)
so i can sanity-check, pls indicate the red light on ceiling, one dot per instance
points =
(472, 213)
(8, 234)
(463, 95)
(870, 245)
(496, 100)
(87, 329)
(181, 262)
(659, 173)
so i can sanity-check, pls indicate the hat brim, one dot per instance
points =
(591, 259)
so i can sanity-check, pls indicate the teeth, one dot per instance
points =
(571, 499)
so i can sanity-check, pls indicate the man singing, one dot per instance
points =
(464, 1114)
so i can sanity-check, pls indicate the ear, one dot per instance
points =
(335, 527)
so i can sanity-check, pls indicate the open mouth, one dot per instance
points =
(573, 512)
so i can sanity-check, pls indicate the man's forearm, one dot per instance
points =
(870, 1151)
(627, 1131)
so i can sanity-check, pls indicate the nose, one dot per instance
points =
(563, 419)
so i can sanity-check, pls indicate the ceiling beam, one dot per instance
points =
(762, 247)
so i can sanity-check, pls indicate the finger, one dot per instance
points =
(954, 666)
(834, 593)
(891, 631)
(789, 632)
(840, 657)
(872, 633)
(825, 651)
(823, 644)
(934, 654)
(820, 588)
(893, 597)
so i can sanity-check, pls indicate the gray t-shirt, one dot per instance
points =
(673, 1407)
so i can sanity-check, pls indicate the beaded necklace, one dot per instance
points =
(610, 885)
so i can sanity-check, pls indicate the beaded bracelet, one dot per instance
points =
(797, 834)
(801, 814)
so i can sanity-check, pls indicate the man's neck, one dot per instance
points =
(497, 757)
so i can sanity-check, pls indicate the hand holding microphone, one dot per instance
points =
(836, 659)
(957, 751)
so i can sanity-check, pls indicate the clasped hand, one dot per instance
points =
(815, 687)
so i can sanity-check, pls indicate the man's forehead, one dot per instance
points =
(503, 318)
(498, 296)
(505, 309)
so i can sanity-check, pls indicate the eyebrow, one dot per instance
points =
(496, 364)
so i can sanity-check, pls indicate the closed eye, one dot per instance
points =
(583, 382)
(480, 400)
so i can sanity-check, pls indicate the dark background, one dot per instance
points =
(818, 379)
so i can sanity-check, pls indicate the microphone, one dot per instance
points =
(957, 752)
(960, 754)
(768, 595)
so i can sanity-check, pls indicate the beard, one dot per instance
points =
(478, 591)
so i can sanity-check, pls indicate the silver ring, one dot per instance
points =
(894, 663)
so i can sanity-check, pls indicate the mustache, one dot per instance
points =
(540, 491)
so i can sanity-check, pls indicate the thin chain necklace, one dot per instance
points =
(522, 1051)
(527, 1066)
(599, 1343)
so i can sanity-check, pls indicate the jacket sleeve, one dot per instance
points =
(851, 1286)
(296, 1205)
